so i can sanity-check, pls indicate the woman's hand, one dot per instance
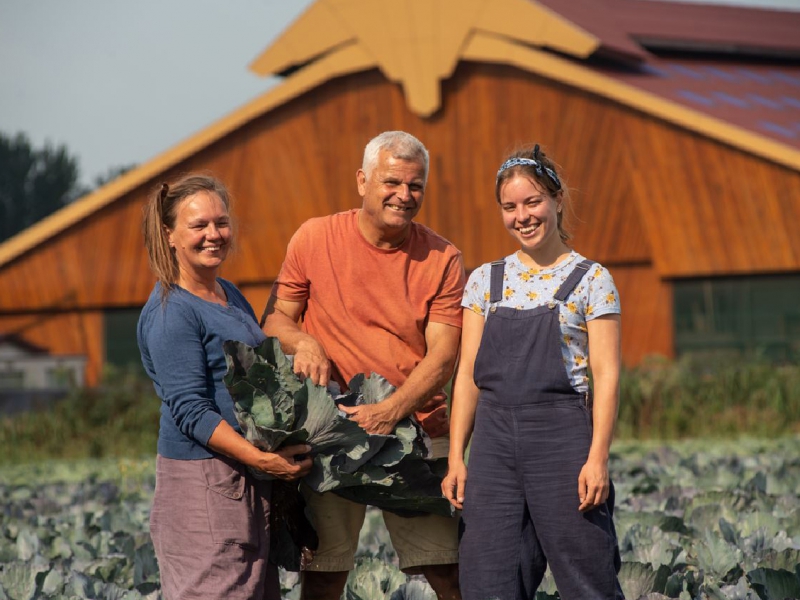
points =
(593, 484)
(289, 463)
(454, 483)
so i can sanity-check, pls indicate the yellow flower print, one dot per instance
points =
(546, 276)
(508, 292)
(589, 310)
(532, 295)
(580, 360)
(611, 298)
(582, 327)
(525, 276)
(487, 295)
(532, 272)
(567, 338)
(573, 308)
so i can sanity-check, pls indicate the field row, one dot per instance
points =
(695, 521)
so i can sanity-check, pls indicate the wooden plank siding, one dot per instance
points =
(647, 314)
(63, 334)
(710, 210)
(650, 201)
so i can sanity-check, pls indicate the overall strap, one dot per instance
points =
(572, 280)
(496, 281)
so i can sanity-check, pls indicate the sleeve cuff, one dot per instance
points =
(206, 426)
(453, 318)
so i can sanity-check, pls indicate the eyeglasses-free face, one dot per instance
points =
(530, 214)
(202, 234)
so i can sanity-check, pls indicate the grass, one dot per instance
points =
(697, 397)
(119, 418)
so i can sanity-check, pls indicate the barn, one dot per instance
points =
(677, 125)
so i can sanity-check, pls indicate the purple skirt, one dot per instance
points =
(210, 529)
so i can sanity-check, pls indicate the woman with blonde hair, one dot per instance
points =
(210, 516)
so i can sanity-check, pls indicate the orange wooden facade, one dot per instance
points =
(650, 201)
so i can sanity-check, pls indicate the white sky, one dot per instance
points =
(120, 81)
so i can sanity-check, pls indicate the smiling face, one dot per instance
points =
(392, 196)
(530, 214)
(202, 234)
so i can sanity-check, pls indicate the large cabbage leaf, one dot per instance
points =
(275, 409)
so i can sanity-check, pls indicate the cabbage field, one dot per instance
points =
(696, 520)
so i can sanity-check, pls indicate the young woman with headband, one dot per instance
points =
(537, 491)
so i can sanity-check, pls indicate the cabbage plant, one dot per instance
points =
(275, 408)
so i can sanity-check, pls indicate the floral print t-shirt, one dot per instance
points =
(525, 288)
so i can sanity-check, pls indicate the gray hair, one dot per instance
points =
(402, 145)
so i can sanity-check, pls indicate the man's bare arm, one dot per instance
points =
(310, 358)
(428, 378)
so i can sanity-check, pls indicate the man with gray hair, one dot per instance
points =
(377, 292)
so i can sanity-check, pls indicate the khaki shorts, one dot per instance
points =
(418, 541)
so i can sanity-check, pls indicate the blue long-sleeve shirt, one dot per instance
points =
(181, 347)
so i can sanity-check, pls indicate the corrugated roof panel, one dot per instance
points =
(731, 99)
(777, 129)
(790, 101)
(622, 24)
(761, 98)
(765, 102)
(722, 74)
(695, 97)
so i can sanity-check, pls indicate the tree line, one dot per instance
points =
(35, 182)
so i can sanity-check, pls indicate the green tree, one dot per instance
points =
(34, 182)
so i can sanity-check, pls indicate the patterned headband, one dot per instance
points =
(541, 170)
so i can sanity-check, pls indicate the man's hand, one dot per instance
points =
(377, 418)
(424, 381)
(310, 360)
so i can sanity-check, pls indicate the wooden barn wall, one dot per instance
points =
(643, 194)
(69, 333)
(299, 161)
(710, 210)
(646, 313)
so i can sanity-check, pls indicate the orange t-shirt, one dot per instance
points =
(368, 306)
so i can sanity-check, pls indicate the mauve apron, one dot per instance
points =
(210, 529)
(531, 438)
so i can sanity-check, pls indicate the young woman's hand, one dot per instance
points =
(593, 484)
(454, 484)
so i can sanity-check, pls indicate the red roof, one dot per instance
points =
(740, 65)
(762, 98)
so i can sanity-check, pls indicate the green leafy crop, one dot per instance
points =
(275, 409)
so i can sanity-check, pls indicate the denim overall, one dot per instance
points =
(531, 438)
